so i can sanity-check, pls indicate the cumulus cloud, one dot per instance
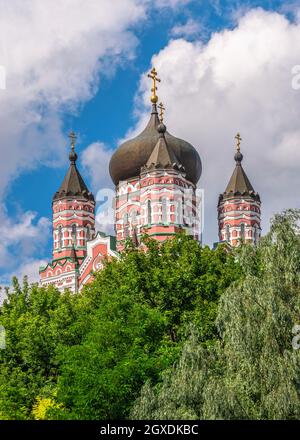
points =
(170, 3)
(52, 58)
(52, 53)
(190, 28)
(21, 238)
(239, 81)
(95, 160)
(30, 269)
(19, 241)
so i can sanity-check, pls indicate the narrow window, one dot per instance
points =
(125, 225)
(74, 233)
(60, 237)
(164, 212)
(228, 233)
(149, 212)
(242, 231)
(179, 213)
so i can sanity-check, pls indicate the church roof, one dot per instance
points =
(239, 184)
(133, 155)
(73, 184)
(162, 155)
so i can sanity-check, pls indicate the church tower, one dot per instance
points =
(155, 176)
(239, 208)
(73, 225)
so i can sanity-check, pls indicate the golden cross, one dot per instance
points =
(162, 109)
(73, 138)
(153, 76)
(238, 139)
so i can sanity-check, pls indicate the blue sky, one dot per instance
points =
(35, 124)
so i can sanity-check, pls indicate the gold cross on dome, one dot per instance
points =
(153, 76)
(73, 138)
(238, 141)
(161, 114)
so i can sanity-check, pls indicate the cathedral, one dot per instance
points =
(155, 177)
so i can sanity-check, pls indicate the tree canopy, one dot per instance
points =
(86, 356)
(253, 371)
(176, 332)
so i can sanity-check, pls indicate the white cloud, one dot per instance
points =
(21, 238)
(190, 28)
(53, 55)
(239, 81)
(30, 269)
(169, 3)
(95, 160)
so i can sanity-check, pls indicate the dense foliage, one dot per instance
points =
(178, 332)
(253, 371)
(86, 356)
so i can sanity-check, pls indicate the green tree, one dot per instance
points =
(138, 310)
(122, 349)
(36, 320)
(179, 278)
(253, 372)
(86, 356)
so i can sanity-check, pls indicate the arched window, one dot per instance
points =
(88, 233)
(60, 237)
(164, 210)
(149, 212)
(228, 233)
(242, 231)
(74, 233)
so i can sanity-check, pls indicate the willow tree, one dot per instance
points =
(253, 371)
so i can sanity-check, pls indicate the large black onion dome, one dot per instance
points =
(132, 155)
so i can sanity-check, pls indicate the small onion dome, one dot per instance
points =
(238, 157)
(161, 128)
(129, 159)
(73, 156)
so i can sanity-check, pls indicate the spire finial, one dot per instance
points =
(161, 114)
(238, 157)
(72, 155)
(153, 76)
(72, 137)
(238, 142)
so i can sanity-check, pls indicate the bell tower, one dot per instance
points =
(73, 209)
(239, 207)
